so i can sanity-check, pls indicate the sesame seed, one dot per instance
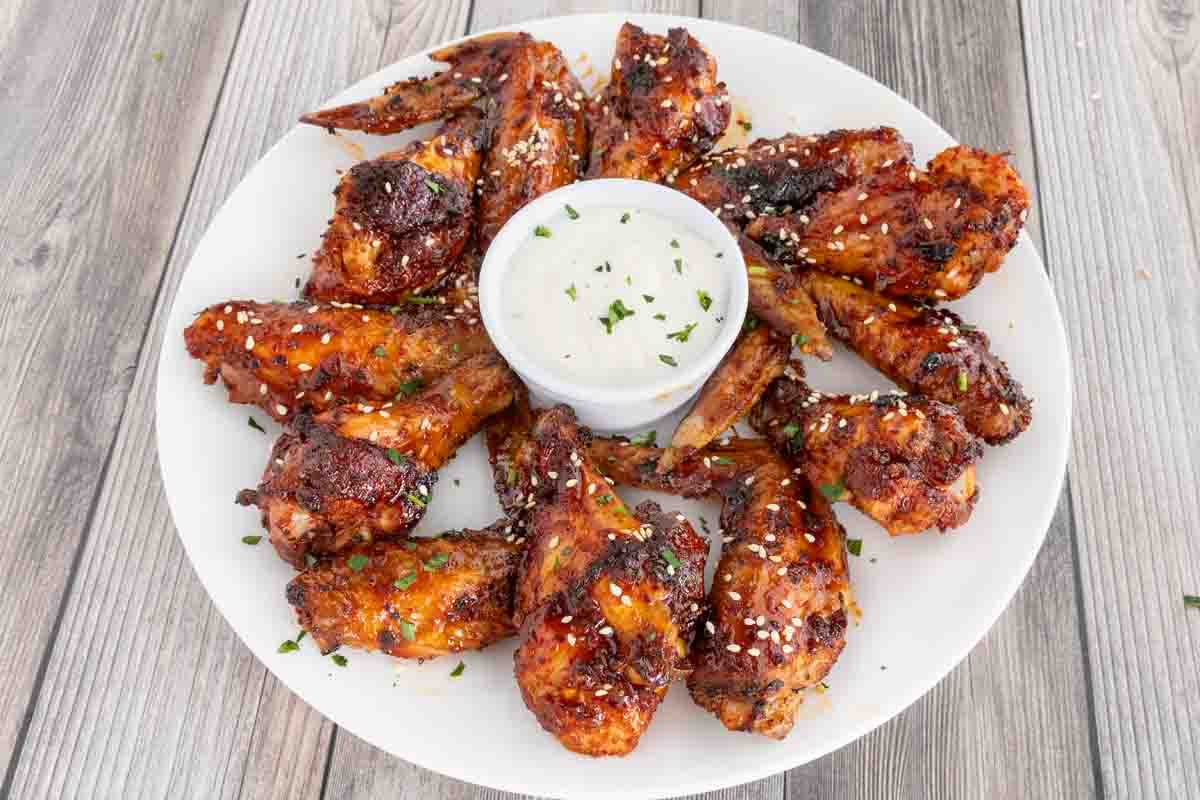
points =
(749, 480)
(303, 367)
(838, 229)
(220, 324)
(708, 626)
(734, 596)
(928, 225)
(325, 338)
(572, 483)
(571, 639)
(262, 388)
(733, 648)
(787, 648)
(553, 543)
(616, 590)
(808, 537)
(772, 507)
(424, 490)
(625, 601)
(249, 342)
(753, 651)
(869, 320)
(552, 475)
(862, 219)
(606, 631)
(763, 634)
(786, 603)
(883, 229)
(281, 409)
(939, 292)
(601, 692)
(1004, 409)
(567, 619)
(727, 577)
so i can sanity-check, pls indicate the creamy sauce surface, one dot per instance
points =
(610, 296)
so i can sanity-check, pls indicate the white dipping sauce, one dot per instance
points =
(568, 293)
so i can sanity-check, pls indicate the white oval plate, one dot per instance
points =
(926, 600)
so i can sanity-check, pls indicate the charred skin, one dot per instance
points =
(776, 620)
(359, 472)
(511, 453)
(926, 351)
(306, 358)
(401, 221)
(661, 110)
(945, 228)
(539, 136)
(476, 69)
(757, 358)
(607, 600)
(411, 598)
(907, 462)
(777, 299)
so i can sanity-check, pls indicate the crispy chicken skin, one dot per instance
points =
(356, 472)
(926, 351)
(401, 222)
(476, 68)
(413, 597)
(511, 452)
(757, 358)
(539, 139)
(777, 299)
(662, 109)
(607, 600)
(912, 234)
(907, 462)
(290, 358)
(776, 621)
(778, 176)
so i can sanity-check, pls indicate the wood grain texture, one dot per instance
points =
(148, 691)
(86, 222)
(1114, 117)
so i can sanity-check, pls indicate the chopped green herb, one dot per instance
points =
(157, 55)
(300, 636)
(511, 476)
(461, 666)
(746, 126)
(604, 499)
(416, 500)
(675, 243)
(380, 351)
(679, 265)
(750, 323)
(608, 325)
(454, 347)
(791, 429)
(417, 300)
(542, 231)
(668, 360)
(251, 539)
(723, 461)
(668, 555)
(649, 298)
(310, 560)
(704, 298)
(1191, 601)
(409, 387)
(629, 280)
(647, 439)
(434, 186)
(757, 270)
(339, 659)
(357, 561)
(625, 218)
(963, 382)
(703, 523)
(406, 580)
(833, 491)
(572, 213)
(720, 255)
(617, 310)
(410, 545)
(607, 267)
(683, 334)
(436, 562)
(254, 424)
(660, 317)
(570, 292)
(408, 630)
(396, 457)
(288, 646)
(854, 546)
(799, 340)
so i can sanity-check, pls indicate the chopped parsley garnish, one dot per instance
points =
(679, 265)
(604, 499)
(572, 213)
(625, 218)
(854, 546)
(723, 461)
(570, 292)
(254, 424)
(409, 387)
(410, 545)
(649, 298)
(406, 580)
(833, 491)
(668, 360)
(668, 555)
(461, 666)
(380, 351)
(703, 523)
(963, 382)
(660, 317)
(750, 323)
(720, 255)
(617, 311)
(288, 646)
(542, 231)
(416, 500)
(607, 323)
(746, 126)
(339, 659)
(704, 298)
(1191, 601)
(408, 630)
(157, 55)
(417, 300)
(647, 439)
(791, 429)
(510, 477)
(357, 561)
(251, 539)
(757, 270)
(799, 340)
(396, 457)
(436, 562)
(434, 186)
(675, 243)
(683, 334)
(300, 636)
(629, 280)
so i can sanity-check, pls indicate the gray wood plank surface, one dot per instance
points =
(148, 691)
(100, 141)
(1113, 92)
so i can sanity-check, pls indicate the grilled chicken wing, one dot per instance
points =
(511, 452)
(757, 358)
(662, 109)
(777, 609)
(360, 471)
(926, 351)
(777, 299)
(401, 221)
(908, 233)
(907, 462)
(290, 358)
(477, 67)
(607, 600)
(540, 135)
(411, 598)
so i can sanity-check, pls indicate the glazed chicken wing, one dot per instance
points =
(909, 233)
(607, 599)
(359, 471)
(291, 358)
(540, 135)
(926, 351)
(907, 462)
(401, 222)
(662, 109)
(776, 620)
(411, 598)
(777, 299)
(477, 67)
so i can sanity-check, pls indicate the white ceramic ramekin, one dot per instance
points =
(613, 408)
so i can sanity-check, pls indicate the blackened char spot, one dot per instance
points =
(938, 252)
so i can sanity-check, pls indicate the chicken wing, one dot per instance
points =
(927, 351)
(607, 600)
(777, 299)
(907, 462)
(662, 109)
(540, 135)
(291, 358)
(757, 358)
(413, 597)
(776, 620)
(358, 471)
(477, 67)
(907, 233)
(511, 452)
(401, 221)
